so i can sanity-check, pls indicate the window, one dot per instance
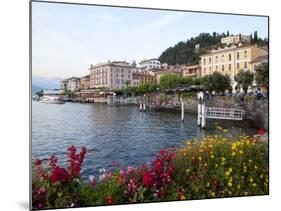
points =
(245, 53)
(238, 56)
(204, 70)
(238, 66)
(204, 61)
(222, 68)
(245, 65)
(216, 67)
(229, 67)
(229, 57)
(210, 60)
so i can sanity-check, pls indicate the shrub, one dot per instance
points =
(212, 167)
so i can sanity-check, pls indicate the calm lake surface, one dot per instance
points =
(110, 133)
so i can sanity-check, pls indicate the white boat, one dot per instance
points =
(51, 100)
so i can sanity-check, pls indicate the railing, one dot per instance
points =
(224, 113)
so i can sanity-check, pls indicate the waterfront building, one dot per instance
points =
(149, 64)
(230, 59)
(143, 78)
(235, 39)
(192, 71)
(85, 82)
(111, 75)
(71, 84)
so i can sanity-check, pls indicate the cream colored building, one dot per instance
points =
(230, 59)
(111, 75)
(235, 39)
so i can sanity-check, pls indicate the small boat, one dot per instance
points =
(51, 100)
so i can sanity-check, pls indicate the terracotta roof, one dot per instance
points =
(260, 58)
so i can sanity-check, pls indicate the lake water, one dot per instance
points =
(110, 133)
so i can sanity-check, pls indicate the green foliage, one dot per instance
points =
(217, 167)
(185, 53)
(262, 74)
(244, 79)
(216, 82)
(144, 88)
(40, 93)
(171, 80)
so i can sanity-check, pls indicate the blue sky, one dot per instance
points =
(68, 38)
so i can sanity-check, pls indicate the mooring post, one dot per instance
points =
(140, 107)
(182, 111)
(203, 120)
(143, 102)
(199, 110)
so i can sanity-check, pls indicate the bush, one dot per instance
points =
(212, 167)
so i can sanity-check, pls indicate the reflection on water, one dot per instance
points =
(110, 134)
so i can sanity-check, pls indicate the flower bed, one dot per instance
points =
(212, 167)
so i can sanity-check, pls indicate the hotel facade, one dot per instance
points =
(111, 75)
(230, 59)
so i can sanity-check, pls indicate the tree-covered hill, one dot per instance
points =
(185, 53)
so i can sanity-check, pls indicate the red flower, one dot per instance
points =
(38, 162)
(59, 175)
(261, 131)
(147, 180)
(53, 161)
(109, 200)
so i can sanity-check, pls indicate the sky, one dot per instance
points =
(67, 39)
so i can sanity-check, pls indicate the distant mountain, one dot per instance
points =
(46, 83)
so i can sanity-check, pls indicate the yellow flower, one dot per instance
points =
(200, 158)
(59, 194)
(208, 184)
(251, 179)
(225, 130)
(233, 153)
(230, 169)
(213, 194)
(223, 158)
(250, 160)
(182, 197)
(256, 167)
(184, 154)
(238, 187)
(216, 165)
(254, 184)
(246, 193)
(227, 173)
(261, 176)
(212, 156)
(229, 184)
(187, 170)
(241, 152)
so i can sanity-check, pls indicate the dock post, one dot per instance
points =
(140, 107)
(143, 106)
(203, 120)
(182, 111)
(199, 115)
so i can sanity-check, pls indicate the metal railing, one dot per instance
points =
(224, 113)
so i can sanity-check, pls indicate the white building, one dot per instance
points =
(71, 84)
(150, 64)
(235, 39)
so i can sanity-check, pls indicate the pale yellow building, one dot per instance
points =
(230, 59)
